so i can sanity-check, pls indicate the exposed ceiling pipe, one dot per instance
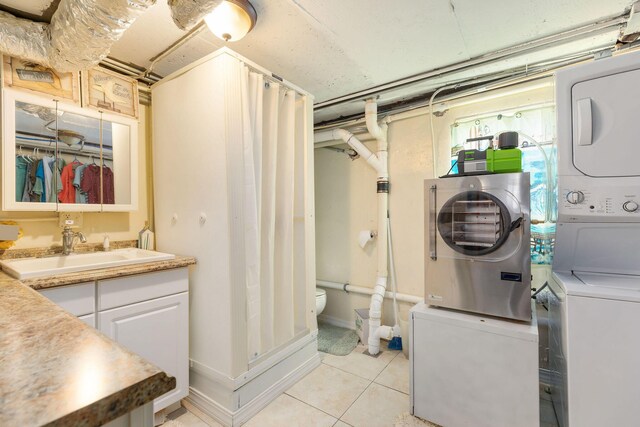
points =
(500, 55)
(498, 80)
(82, 32)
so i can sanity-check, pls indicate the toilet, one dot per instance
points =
(321, 300)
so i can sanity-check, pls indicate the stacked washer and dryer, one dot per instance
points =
(595, 307)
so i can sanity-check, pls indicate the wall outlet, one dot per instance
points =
(70, 219)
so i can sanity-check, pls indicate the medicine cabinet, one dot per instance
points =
(60, 157)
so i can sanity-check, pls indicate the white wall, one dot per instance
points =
(346, 201)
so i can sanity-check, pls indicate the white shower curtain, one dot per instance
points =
(268, 112)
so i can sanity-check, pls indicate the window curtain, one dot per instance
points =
(268, 112)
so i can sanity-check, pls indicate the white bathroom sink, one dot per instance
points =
(28, 268)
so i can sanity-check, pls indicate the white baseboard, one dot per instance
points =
(229, 418)
(336, 321)
(209, 407)
(256, 405)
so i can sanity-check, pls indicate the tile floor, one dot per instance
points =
(354, 390)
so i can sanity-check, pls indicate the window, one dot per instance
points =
(537, 122)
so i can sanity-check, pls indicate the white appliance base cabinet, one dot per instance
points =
(158, 331)
(474, 370)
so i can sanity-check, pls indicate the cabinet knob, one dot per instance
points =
(203, 218)
(174, 218)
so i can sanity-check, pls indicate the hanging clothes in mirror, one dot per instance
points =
(68, 193)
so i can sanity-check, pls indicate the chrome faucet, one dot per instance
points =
(68, 240)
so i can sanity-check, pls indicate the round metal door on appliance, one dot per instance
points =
(475, 223)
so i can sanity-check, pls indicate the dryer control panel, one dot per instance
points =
(594, 203)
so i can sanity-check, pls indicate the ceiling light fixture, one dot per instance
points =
(231, 20)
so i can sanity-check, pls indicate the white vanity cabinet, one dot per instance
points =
(79, 300)
(149, 315)
(39, 132)
(146, 313)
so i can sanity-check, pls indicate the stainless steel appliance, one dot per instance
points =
(477, 244)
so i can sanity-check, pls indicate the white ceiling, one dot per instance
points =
(336, 47)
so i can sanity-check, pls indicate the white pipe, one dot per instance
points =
(384, 332)
(354, 143)
(380, 162)
(434, 145)
(371, 118)
(379, 291)
(411, 299)
(324, 138)
(392, 270)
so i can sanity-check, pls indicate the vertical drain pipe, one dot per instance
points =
(376, 330)
(379, 162)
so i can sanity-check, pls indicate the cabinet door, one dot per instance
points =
(89, 319)
(78, 300)
(157, 330)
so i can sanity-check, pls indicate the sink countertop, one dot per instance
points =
(55, 369)
(106, 273)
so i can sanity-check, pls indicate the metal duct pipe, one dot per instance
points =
(187, 13)
(23, 38)
(79, 36)
(82, 32)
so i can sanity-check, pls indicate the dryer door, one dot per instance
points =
(606, 129)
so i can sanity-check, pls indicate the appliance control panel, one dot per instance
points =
(576, 202)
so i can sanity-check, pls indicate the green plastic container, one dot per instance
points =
(504, 161)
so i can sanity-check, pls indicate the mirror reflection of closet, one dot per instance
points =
(35, 153)
(79, 154)
(59, 156)
(117, 167)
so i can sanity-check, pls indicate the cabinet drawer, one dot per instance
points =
(142, 287)
(76, 299)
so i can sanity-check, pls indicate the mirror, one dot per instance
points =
(35, 146)
(78, 150)
(116, 155)
(63, 157)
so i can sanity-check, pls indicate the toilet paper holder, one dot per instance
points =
(365, 236)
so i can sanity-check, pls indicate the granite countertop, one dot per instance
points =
(56, 370)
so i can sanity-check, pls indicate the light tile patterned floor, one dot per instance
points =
(356, 390)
